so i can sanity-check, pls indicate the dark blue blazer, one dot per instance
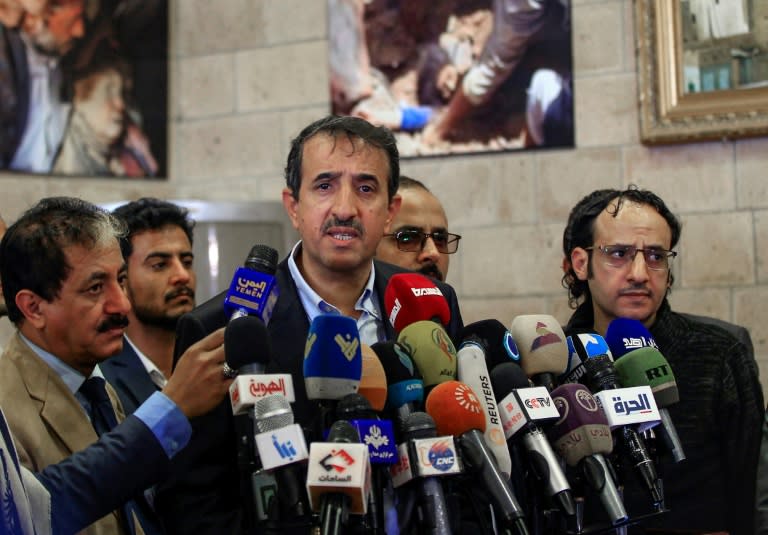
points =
(128, 377)
(205, 497)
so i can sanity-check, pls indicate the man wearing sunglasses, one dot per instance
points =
(418, 237)
(619, 248)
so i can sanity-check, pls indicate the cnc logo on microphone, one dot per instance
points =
(441, 456)
(545, 337)
(347, 345)
(467, 399)
(337, 461)
(285, 449)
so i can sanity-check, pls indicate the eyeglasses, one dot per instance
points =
(411, 241)
(621, 255)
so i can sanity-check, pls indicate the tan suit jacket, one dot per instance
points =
(47, 421)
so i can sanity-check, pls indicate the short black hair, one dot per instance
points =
(579, 232)
(32, 251)
(351, 127)
(149, 213)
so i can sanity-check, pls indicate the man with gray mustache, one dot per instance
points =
(161, 288)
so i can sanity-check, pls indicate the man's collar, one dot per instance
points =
(314, 305)
(71, 377)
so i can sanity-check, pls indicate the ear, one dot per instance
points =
(580, 263)
(289, 203)
(32, 307)
(393, 209)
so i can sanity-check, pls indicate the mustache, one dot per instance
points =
(185, 290)
(354, 224)
(431, 270)
(116, 321)
(635, 289)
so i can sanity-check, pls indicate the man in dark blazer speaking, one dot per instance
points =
(342, 176)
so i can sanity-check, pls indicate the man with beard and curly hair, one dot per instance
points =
(161, 287)
(418, 237)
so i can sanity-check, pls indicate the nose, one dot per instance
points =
(181, 274)
(117, 300)
(638, 271)
(344, 202)
(429, 251)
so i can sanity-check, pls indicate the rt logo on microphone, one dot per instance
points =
(659, 372)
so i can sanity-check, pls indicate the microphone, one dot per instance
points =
(495, 339)
(601, 376)
(473, 372)
(412, 297)
(282, 449)
(432, 351)
(542, 345)
(581, 347)
(333, 363)
(582, 437)
(457, 412)
(420, 433)
(248, 350)
(373, 381)
(624, 335)
(522, 409)
(646, 366)
(405, 388)
(253, 290)
(338, 477)
(379, 436)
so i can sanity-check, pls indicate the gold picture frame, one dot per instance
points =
(668, 114)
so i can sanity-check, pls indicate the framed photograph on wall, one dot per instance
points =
(702, 69)
(84, 88)
(455, 76)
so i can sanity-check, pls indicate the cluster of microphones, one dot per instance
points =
(528, 423)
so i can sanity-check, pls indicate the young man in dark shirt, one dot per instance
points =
(618, 249)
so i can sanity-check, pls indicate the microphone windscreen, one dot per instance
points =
(582, 429)
(418, 425)
(343, 432)
(373, 381)
(404, 383)
(647, 366)
(541, 342)
(253, 290)
(507, 377)
(272, 412)
(246, 343)
(455, 409)
(354, 407)
(411, 297)
(624, 335)
(333, 362)
(497, 341)
(262, 258)
(432, 351)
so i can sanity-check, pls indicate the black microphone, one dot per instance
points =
(338, 477)
(379, 436)
(531, 406)
(433, 511)
(253, 290)
(600, 375)
(458, 412)
(283, 451)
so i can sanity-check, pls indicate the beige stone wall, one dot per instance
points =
(248, 74)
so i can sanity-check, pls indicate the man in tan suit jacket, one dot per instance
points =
(63, 275)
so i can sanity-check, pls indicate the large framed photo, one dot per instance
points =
(455, 76)
(702, 68)
(84, 87)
